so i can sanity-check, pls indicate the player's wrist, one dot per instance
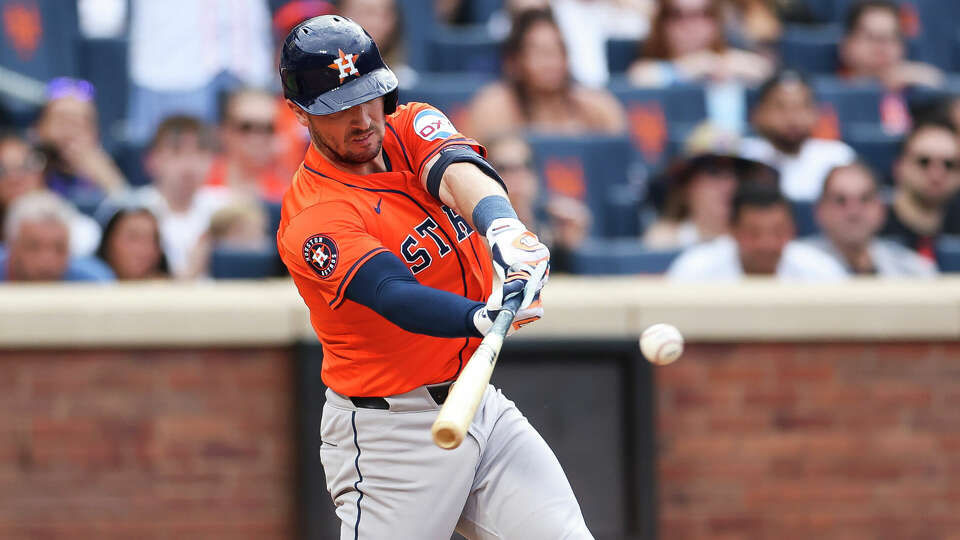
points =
(504, 227)
(480, 319)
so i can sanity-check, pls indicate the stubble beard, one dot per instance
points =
(352, 158)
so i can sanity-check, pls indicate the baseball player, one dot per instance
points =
(385, 230)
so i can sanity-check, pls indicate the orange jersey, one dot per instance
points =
(332, 222)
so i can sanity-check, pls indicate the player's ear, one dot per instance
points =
(299, 113)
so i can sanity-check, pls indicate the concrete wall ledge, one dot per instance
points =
(164, 314)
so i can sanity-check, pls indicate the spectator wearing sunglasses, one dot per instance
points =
(850, 213)
(250, 150)
(700, 189)
(927, 180)
(78, 167)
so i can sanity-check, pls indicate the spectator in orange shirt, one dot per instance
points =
(537, 92)
(249, 158)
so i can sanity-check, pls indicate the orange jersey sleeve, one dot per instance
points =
(422, 131)
(327, 243)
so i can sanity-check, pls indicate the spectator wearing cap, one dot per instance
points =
(178, 162)
(67, 132)
(21, 173)
(131, 245)
(761, 243)
(700, 190)
(561, 222)
(538, 93)
(37, 243)
(249, 160)
(927, 181)
(850, 212)
(784, 116)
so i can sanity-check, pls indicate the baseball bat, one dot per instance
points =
(458, 410)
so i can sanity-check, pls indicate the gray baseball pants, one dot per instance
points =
(389, 481)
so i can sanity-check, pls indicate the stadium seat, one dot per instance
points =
(876, 148)
(479, 11)
(464, 49)
(595, 169)
(626, 256)
(621, 53)
(853, 102)
(244, 264)
(449, 92)
(948, 254)
(658, 115)
(804, 219)
(811, 49)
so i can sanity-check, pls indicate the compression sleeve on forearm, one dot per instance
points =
(385, 285)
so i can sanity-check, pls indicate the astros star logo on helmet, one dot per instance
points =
(345, 64)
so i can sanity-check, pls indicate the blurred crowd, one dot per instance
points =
(706, 140)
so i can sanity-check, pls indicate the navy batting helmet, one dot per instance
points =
(330, 63)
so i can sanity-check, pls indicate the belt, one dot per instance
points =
(437, 391)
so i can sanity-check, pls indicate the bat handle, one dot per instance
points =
(465, 395)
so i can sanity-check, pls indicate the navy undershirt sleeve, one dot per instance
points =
(385, 285)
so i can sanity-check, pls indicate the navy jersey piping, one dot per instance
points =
(402, 147)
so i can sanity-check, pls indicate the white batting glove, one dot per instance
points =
(515, 248)
(517, 282)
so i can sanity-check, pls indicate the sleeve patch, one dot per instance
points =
(321, 253)
(431, 124)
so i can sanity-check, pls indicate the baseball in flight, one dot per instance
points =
(661, 344)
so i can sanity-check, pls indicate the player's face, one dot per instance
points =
(39, 252)
(761, 235)
(850, 211)
(350, 137)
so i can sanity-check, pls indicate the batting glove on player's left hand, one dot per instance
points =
(513, 247)
(521, 282)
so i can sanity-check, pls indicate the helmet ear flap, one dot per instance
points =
(390, 101)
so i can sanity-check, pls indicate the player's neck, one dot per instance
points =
(375, 165)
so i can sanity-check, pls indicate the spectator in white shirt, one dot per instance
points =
(784, 116)
(761, 244)
(850, 213)
(183, 53)
(178, 161)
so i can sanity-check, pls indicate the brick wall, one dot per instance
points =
(811, 441)
(146, 445)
